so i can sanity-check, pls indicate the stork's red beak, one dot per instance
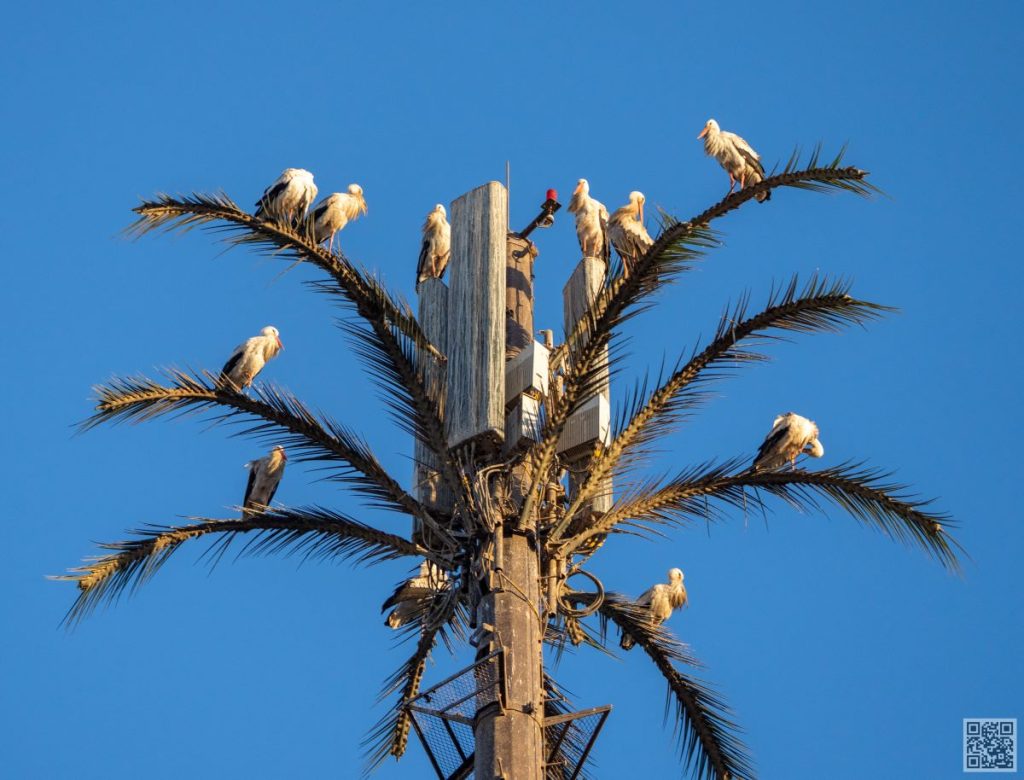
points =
(279, 344)
(579, 188)
(703, 132)
(640, 208)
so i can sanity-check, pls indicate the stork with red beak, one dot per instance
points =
(334, 212)
(591, 222)
(627, 233)
(249, 358)
(264, 477)
(734, 154)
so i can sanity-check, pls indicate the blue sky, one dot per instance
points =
(843, 654)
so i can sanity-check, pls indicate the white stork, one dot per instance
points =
(250, 356)
(437, 246)
(627, 233)
(289, 197)
(734, 154)
(413, 596)
(264, 477)
(659, 601)
(591, 222)
(790, 435)
(335, 211)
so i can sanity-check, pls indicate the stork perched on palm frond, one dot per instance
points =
(412, 596)
(288, 199)
(660, 601)
(264, 476)
(627, 233)
(334, 212)
(437, 246)
(591, 222)
(790, 435)
(250, 356)
(734, 154)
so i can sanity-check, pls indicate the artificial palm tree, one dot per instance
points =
(491, 494)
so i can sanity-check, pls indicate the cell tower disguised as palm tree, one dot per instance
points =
(515, 455)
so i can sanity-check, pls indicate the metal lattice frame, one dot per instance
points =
(569, 739)
(444, 717)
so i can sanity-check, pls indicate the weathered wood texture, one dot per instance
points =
(510, 743)
(583, 286)
(476, 317)
(518, 294)
(591, 424)
(433, 316)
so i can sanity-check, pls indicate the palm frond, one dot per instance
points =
(822, 305)
(390, 735)
(271, 414)
(708, 740)
(391, 342)
(673, 251)
(394, 364)
(314, 532)
(218, 212)
(864, 493)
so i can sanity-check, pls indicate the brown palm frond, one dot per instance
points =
(864, 493)
(218, 212)
(273, 414)
(314, 532)
(392, 343)
(565, 630)
(640, 509)
(394, 365)
(652, 270)
(708, 739)
(674, 251)
(821, 306)
(390, 735)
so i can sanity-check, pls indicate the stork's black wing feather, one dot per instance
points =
(232, 362)
(269, 194)
(773, 438)
(424, 262)
(249, 485)
(394, 598)
(752, 159)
